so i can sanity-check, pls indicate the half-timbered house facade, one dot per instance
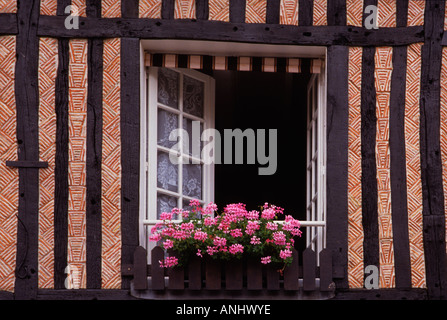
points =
(91, 89)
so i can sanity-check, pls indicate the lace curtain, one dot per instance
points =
(192, 101)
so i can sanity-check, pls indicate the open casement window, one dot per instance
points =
(180, 107)
(185, 99)
(316, 164)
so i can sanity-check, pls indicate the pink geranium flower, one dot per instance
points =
(266, 260)
(284, 254)
(253, 215)
(209, 221)
(255, 240)
(268, 214)
(200, 235)
(166, 216)
(236, 248)
(219, 242)
(210, 208)
(168, 244)
(194, 203)
(169, 262)
(211, 250)
(236, 233)
(279, 238)
(155, 237)
(204, 233)
(271, 226)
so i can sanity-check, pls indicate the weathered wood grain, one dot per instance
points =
(337, 161)
(399, 208)
(236, 31)
(431, 164)
(27, 102)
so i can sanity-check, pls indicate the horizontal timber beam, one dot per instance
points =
(53, 26)
(27, 164)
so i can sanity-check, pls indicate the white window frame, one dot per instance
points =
(317, 227)
(150, 148)
(316, 155)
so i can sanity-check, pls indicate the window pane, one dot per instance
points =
(165, 203)
(192, 180)
(193, 96)
(168, 87)
(167, 173)
(167, 122)
(186, 205)
(195, 143)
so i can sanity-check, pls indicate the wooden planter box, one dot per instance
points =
(237, 279)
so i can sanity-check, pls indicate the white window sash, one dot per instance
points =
(316, 162)
(150, 148)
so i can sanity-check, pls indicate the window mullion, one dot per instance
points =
(168, 108)
(167, 192)
(152, 145)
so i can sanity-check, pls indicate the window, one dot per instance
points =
(188, 100)
(180, 102)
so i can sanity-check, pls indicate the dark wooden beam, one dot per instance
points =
(337, 161)
(369, 169)
(434, 243)
(94, 154)
(8, 23)
(431, 163)
(6, 295)
(237, 11)
(305, 12)
(93, 8)
(336, 13)
(129, 8)
(223, 31)
(401, 13)
(398, 171)
(130, 148)
(272, 15)
(167, 9)
(27, 101)
(61, 167)
(202, 9)
(130, 142)
(27, 164)
(61, 5)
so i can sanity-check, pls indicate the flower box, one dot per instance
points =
(233, 279)
(234, 234)
(238, 254)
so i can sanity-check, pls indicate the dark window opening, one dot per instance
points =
(261, 100)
